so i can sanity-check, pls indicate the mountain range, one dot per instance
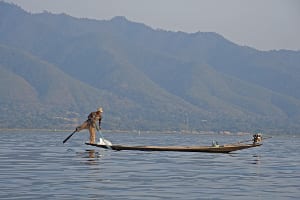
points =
(55, 69)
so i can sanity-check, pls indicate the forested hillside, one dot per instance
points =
(55, 69)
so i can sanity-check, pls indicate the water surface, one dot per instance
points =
(36, 165)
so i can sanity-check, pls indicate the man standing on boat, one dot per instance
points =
(92, 123)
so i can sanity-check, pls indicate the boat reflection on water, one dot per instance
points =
(89, 156)
(93, 154)
(256, 159)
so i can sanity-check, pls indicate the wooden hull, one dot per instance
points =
(210, 149)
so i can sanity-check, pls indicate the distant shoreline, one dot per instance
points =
(135, 131)
(155, 132)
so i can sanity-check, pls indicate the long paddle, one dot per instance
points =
(69, 136)
(263, 138)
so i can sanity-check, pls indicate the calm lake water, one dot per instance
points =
(37, 165)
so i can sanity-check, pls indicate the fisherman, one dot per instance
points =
(92, 123)
(257, 138)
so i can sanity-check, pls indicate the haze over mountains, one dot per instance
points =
(55, 69)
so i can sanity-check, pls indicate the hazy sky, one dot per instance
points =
(262, 24)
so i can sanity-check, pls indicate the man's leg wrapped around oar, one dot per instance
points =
(89, 124)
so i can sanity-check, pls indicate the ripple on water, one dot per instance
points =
(32, 169)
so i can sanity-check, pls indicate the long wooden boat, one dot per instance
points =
(210, 149)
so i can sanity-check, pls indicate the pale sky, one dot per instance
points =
(261, 24)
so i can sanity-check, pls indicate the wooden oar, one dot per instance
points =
(263, 138)
(245, 141)
(69, 136)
